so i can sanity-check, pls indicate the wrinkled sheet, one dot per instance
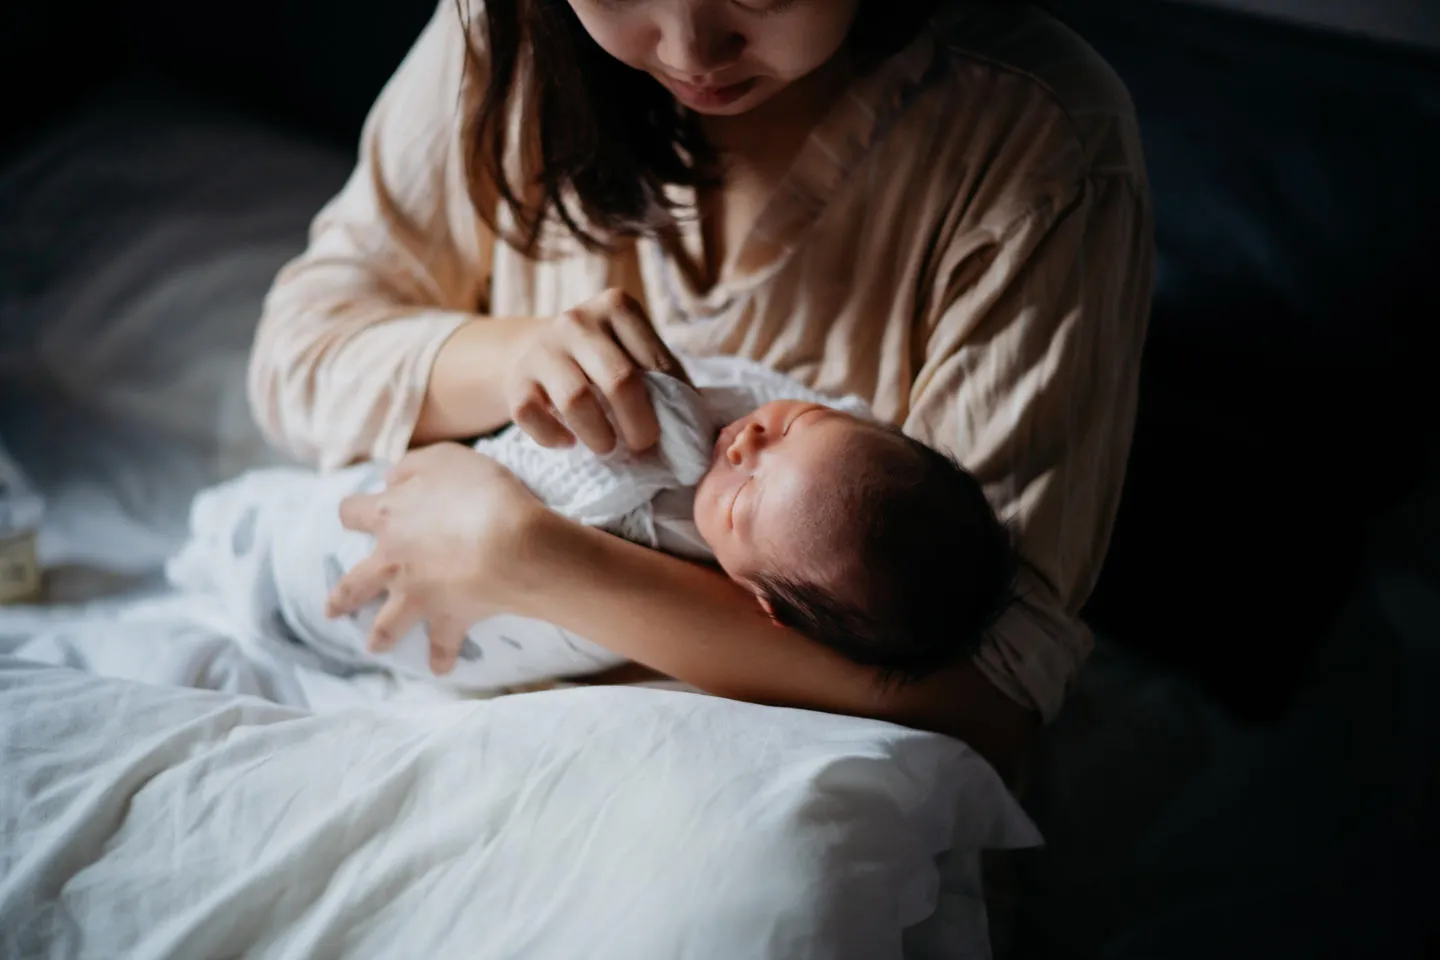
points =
(147, 822)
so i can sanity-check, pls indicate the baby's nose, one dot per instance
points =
(747, 445)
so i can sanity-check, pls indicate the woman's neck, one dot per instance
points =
(753, 152)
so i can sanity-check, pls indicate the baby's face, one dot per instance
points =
(768, 503)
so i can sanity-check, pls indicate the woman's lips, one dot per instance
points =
(708, 97)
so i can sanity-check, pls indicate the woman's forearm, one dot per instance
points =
(699, 627)
(465, 394)
(678, 618)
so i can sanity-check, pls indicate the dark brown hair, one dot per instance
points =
(938, 566)
(607, 139)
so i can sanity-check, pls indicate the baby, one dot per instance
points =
(843, 528)
(856, 535)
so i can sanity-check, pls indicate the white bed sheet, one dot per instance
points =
(180, 640)
(150, 822)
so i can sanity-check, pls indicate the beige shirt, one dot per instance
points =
(965, 242)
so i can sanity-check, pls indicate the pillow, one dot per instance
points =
(596, 823)
(143, 235)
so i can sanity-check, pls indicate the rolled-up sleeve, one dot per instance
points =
(395, 263)
(1030, 377)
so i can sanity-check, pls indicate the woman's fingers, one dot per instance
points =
(636, 335)
(447, 636)
(362, 512)
(536, 416)
(400, 472)
(365, 581)
(601, 348)
(572, 394)
(395, 619)
(622, 381)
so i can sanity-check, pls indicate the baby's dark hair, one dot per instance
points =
(934, 565)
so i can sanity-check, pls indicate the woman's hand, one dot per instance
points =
(550, 375)
(568, 364)
(452, 532)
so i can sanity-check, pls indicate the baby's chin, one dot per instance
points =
(707, 506)
(708, 490)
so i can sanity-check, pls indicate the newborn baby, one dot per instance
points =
(842, 527)
(856, 535)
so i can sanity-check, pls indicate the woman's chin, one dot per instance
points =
(750, 95)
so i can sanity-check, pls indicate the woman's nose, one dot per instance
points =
(696, 42)
(747, 445)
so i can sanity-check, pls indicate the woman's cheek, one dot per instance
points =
(617, 35)
(805, 45)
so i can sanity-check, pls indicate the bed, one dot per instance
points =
(1221, 783)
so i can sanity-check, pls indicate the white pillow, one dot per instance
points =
(150, 228)
(589, 823)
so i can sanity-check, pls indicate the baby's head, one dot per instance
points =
(856, 535)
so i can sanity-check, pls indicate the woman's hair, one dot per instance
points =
(608, 139)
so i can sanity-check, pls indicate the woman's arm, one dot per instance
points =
(458, 538)
(374, 339)
(392, 284)
(699, 627)
(1030, 379)
(464, 395)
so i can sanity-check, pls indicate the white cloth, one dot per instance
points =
(150, 822)
(268, 547)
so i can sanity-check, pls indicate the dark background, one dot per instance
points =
(316, 64)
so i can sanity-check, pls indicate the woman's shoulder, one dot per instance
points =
(1036, 75)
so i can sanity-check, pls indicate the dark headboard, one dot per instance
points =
(317, 64)
(1285, 401)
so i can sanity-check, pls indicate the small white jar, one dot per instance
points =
(21, 510)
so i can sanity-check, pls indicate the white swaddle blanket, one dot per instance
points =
(270, 548)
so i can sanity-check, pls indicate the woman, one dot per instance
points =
(940, 207)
